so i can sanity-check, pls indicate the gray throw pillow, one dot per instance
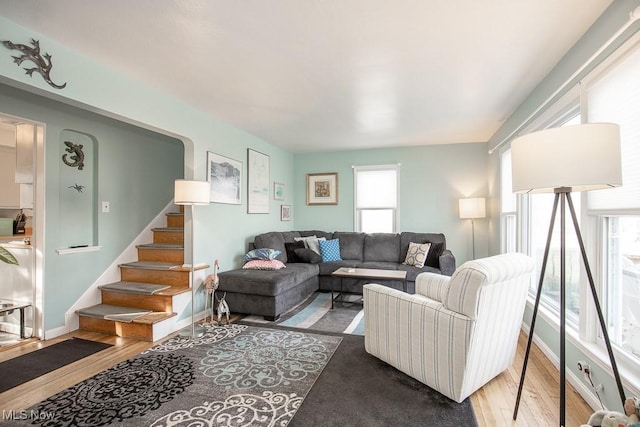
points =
(307, 255)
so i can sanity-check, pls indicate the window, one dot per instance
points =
(622, 279)
(615, 97)
(507, 205)
(376, 198)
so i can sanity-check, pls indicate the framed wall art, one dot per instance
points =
(278, 191)
(225, 176)
(285, 212)
(258, 182)
(322, 188)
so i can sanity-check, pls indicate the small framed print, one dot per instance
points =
(258, 182)
(278, 191)
(285, 213)
(322, 188)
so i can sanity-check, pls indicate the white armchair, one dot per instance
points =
(455, 333)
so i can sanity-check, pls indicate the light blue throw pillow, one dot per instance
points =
(262, 253)
(330, 250)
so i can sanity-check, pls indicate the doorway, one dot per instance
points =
(21, 196)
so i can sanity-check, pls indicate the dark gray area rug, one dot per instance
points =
(235, 375)
(21, 369)
(357, 389)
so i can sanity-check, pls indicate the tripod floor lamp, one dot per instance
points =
(564, 160)
(192, 193)
(472, 208)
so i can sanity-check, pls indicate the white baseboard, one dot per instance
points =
(585, 392)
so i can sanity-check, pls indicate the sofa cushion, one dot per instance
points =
(289, 236)
(317, 233)
(351, 244)
(382, 247)
(330, 250)
(273, 240)
(261, 282)
(379, 265)
(326, 268)
(412, 271)
(406, 237)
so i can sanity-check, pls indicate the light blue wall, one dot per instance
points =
(601, 31)
(432, 179)
(221, 231)
(135, 172)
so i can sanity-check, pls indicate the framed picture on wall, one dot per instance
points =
(322, 188)
(278, 191)
(225, 176)
(285, 213)
(258, 182)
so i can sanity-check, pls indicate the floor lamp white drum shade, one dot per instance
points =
(191, 192)
(472, 208)
(581, 157)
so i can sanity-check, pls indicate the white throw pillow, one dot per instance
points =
(311, 242)
(417, 254)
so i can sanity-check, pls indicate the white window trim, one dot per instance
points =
(396, 167)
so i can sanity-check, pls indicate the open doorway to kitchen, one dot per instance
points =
(21, 147)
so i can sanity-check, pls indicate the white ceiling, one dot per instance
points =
(310, 75)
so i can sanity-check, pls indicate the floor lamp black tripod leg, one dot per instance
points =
(564, 194)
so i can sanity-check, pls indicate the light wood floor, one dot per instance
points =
(493, 404)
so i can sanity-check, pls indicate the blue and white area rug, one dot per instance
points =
(315, 313)
(236, 375)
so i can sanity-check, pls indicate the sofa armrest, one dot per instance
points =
(447, 263)
(433, 286)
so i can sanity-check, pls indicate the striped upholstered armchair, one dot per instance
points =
(456, 333)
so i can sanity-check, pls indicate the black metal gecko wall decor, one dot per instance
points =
(77, 156)
(32, 53)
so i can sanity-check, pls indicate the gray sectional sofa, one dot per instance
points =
(270, 293)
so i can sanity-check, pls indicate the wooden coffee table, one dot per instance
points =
(368, 273)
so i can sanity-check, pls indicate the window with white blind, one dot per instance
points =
(376, 198)
(507, 205)
(615, 97)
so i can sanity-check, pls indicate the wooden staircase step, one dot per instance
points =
(168, 235)
(147, 326)
(134, 287)
(175, 219)
(164, 273)
(161, 252)
(127, 294)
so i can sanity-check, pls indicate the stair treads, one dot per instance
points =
(161, 246)
(134, 287)
(113, 312)
(168, 229)
(150, 265)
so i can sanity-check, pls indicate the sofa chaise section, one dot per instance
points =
(268, 293)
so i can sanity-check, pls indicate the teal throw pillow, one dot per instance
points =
(330, 250)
